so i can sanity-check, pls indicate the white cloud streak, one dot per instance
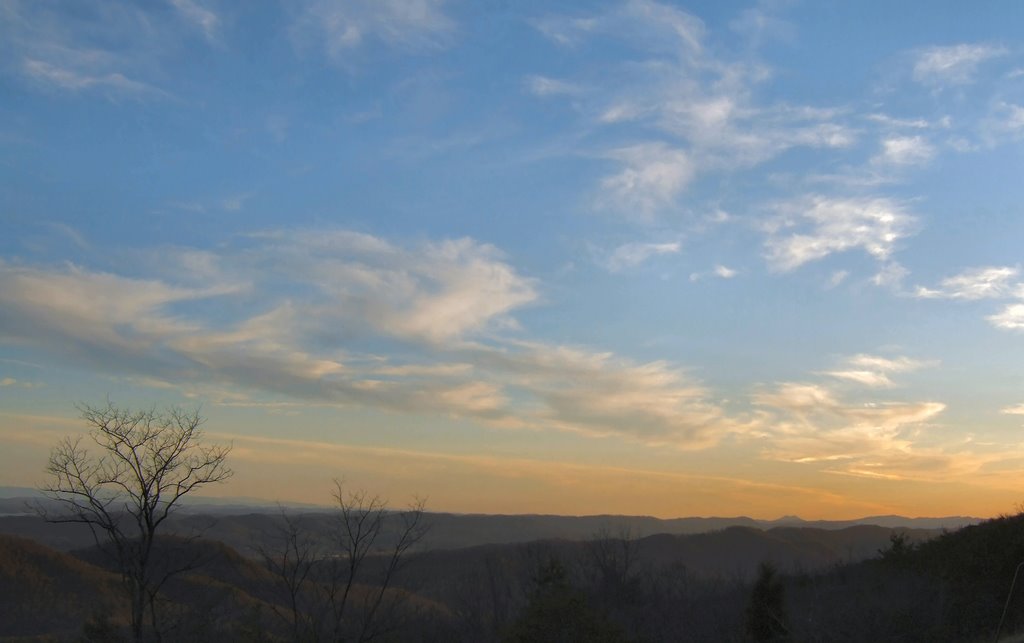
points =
(78, 80)
(987, 282)
(904, 151)
(807, 423)
(603, 395)
(205, 19)
(890, 275)
(899, 123)
(1004, 123)
(814, 227)
(1011, 318)
(837, 277)
(544, 86)
(294, 308)
(654, 174)
(700, 106)
(341, 27)
(953, 64)
(629, 255)
(724, 272)
(113, 49)
(873, 371)
(436, 292)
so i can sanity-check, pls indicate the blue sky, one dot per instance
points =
(630, 257)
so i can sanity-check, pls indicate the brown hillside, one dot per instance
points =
(46, 592)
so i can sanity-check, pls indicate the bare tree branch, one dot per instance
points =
(145, 463)
(344, 591)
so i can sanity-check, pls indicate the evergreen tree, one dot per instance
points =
(766, 616)
(559, 613)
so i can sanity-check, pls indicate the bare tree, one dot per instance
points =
(342, 588)
(613, 559)
(144, 464)
(291, 559)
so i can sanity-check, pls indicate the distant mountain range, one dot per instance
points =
(243, 523)
(950, 587)
(873, 578)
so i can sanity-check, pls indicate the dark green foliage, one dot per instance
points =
(899, 550)
(973, 569)
(559, 613)
(951, 588)
(100, 629)
(766, 615)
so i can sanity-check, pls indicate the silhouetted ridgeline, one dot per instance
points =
(855, 583)
(242, 525)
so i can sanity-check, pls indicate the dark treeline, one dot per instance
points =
(610, 588)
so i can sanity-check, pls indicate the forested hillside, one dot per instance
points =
(855, 584)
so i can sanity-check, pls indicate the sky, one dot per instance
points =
(632, 257)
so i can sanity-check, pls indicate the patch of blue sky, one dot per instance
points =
(714, 226)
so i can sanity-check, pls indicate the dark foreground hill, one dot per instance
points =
(458, 594)
(954, 587)
(46, 595)
(862, 583)
(43, 591)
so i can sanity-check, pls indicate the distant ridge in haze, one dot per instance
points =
(463, 530)
(239, 522)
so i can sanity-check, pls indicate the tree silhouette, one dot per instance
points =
(559, 613)
(766, 617)
(146, 462)
(341, 589)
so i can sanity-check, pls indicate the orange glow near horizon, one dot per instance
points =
(291, 470)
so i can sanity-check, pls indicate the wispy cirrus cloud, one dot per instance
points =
(720, 271)
(862, 433)
(807, 400)
(75, 80)
(601, 394)
(544, 86)
(13, 382)
(808, 423)
(114, 49)
(1011, 318)
(1005, 122)
(664, 27)
(341, 27)
(701, 107)
(760, 24)
(341, 287)
(903, 151)
(987, 282)
(654, 174)
(629, 255)
(724, 272)
(295, 311)
(202, 17)
(952, 64)
(813, 227)
(898, 123)
(873, 370)
(434, 292)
